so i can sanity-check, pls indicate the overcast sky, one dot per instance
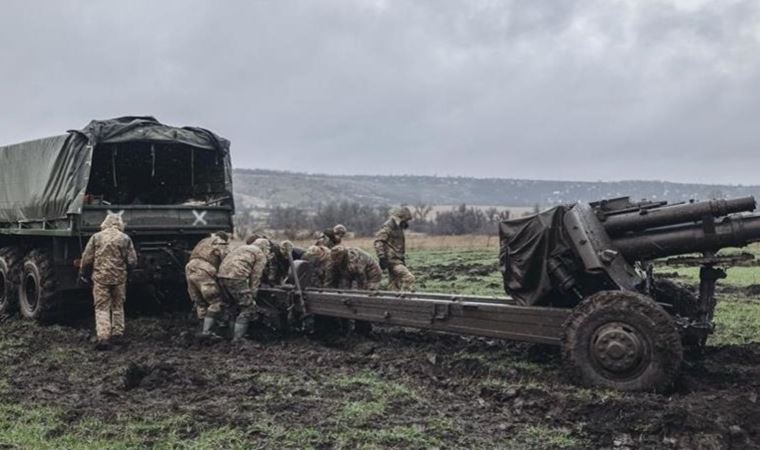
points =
(545, 89)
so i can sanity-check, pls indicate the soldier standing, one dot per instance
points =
(330, 238)
(201, 271)
(239, 277)
(353, 268)
(390, 246)
(106, 258)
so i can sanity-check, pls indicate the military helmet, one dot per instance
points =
(403, 214)
(316, 253)
(286, 246)
(264, 245)
(223, 235)
(338, 253)
(340, 230)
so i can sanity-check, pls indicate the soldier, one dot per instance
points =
(353, 268)
(331, 238)
(319, 258)
(106, 258)
(201, 271)
(390, 246)
(278, 267)
(239, 277)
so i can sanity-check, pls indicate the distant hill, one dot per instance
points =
(266, 188)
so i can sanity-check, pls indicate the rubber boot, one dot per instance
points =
(241, 328)
(208, 324)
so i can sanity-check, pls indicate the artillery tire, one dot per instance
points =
(37, 291)
(10, 266)
(624, 341)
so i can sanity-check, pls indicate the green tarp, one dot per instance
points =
(528, 245)
(46, 179)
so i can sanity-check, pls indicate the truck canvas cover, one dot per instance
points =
(46, 179)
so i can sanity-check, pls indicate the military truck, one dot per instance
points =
(172, 186)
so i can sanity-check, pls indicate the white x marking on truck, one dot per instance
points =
(200, 218)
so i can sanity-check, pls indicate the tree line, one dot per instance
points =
(365, 220)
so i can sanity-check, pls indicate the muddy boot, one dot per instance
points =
(103, 345)
(240, 330)
(208, 325)
(118, 340)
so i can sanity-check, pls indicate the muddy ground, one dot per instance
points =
(424, 390)
(397, 388)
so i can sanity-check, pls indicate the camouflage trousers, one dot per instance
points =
(202, 285)
(239, 294)
(401, 279)
(109, 309)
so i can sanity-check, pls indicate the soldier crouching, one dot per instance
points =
(353, 268)
(108, 256)
(201, 271)
(239, 277)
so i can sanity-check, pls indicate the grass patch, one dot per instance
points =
(539, 436)
(737, 321)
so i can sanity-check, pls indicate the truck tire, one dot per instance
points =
(37, 293)
(10, 265)
(624, 341)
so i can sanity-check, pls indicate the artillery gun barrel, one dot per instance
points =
(647, 218)
(730, 232)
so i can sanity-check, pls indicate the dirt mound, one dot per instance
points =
(398, 388)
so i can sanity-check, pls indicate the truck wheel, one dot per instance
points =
(622, 340)
(37, 288)
(10, 264)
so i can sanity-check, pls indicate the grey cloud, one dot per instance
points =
(531, 89)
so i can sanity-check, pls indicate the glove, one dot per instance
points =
(384, 264)
(84, 281)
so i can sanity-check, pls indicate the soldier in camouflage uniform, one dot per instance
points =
(239, 277)
(331, 238)
(276, 272)
(353, 268)
(201, 271)
(107, 257)
(390, 246)
(318, 257)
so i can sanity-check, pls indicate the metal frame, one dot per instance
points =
(478, 316)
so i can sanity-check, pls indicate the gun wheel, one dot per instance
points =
(624, 341)
(10, 263)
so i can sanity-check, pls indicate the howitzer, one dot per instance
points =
(579, 277)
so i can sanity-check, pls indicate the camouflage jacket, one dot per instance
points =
(360, 271)
(390, 243)
(212, 249)
(278, 267)
(245, 262)
(108, 254)
(328, 239)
